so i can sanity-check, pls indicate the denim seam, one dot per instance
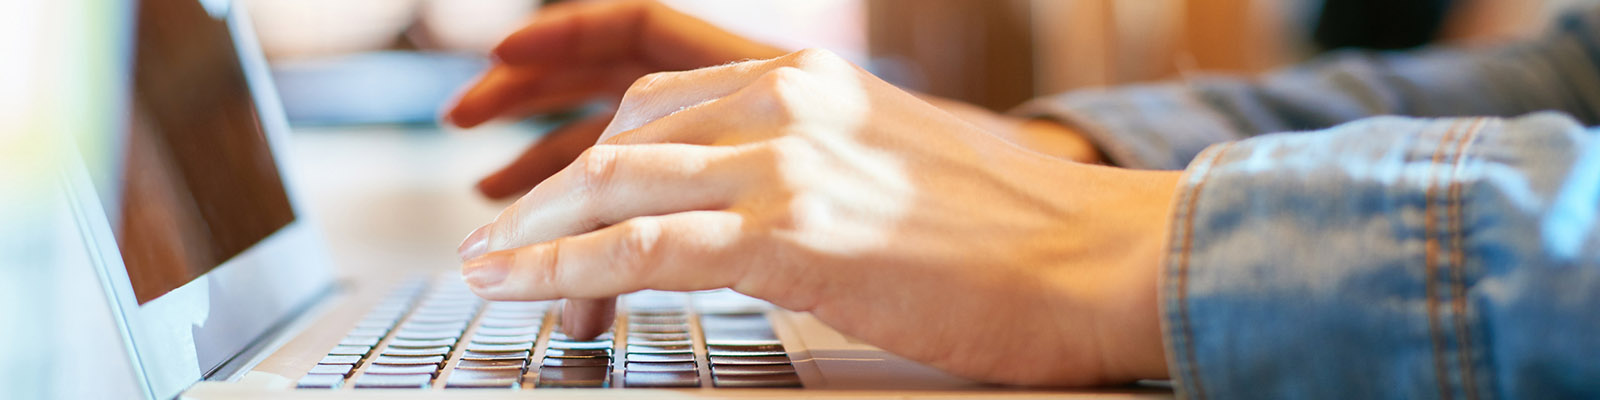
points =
(1430, 260)
(1190, 366)
(1458, 300)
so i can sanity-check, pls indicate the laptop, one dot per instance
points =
(221, 287)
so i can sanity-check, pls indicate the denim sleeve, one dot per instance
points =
(1163, 126)
(1389, 258)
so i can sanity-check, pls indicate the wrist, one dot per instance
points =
(1128, 326)
(1058, 140)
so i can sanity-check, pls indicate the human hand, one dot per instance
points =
(574, 53)
(807, 182)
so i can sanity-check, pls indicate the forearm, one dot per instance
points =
(1163, 126)
(1389, 258)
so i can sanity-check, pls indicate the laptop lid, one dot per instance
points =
(187, 208)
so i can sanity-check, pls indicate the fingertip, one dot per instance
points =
(475, 244)
(494, 187)
(587, 319)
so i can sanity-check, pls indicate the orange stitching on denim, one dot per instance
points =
(1183, 269)
(1429, 263)
(1458, 295)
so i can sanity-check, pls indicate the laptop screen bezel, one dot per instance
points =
(184, 335)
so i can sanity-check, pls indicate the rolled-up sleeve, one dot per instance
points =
(1163, 126)
(1390, 258)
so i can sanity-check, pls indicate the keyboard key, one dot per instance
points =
(563, 344)
(736, 349)
(415, 352)
(499, 348)
(491, 339)
(537, 317)
(320, 381)
(532, 330)
(727, 336)
(659, 328)
(474, 355)
(382, 369)
(767, 369)
(577, 353)
(740, 352)
(484, 379)
(734, 360)
(725, 327)
(421, 343)
(519, 305)
(450, 318)
(593, 377)
(360, 351)
(360, 341)
(682, 357)
(558, 335)
(576, 362)
(338, 360)
(403, 360)
(659, 349)
(657, 311)
(331, 369)
(379, 332)
(657, 337)
(385, 323)
(517, 364)
(756, 381)
(661, 379)
(726, 341)
(448, 326)
(417, 381)
(659, 319)
(661, 367)
(427, 334)
(493, 322)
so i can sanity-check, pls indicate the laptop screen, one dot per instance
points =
(198, 182)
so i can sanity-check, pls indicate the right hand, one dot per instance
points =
(575, 53)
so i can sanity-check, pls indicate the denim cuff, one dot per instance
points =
(1325, 264)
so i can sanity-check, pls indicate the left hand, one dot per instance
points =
(807, 182)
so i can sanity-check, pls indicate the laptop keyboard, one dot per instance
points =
(439, 335)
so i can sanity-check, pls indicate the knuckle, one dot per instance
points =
(597, 167)
(635, 251)
(776, 92)
(644, 87)
(814, 57)
(818, 60)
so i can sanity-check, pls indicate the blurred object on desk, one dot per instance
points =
(341, 62)
(372, 87)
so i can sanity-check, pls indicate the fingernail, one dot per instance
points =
(485, 272)
(476, 244)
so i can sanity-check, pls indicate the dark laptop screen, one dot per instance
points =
(199, 184)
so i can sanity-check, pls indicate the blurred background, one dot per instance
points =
(362, 61)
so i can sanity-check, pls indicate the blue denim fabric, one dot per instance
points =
(1163, 126)
(1390, 258)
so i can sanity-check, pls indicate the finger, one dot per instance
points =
(677, 252)
(660, 94)
(575, 33)
(609, 184)
(641, 32)
(520, 91)
(546, 157)
(586, 319)
(708, 123)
